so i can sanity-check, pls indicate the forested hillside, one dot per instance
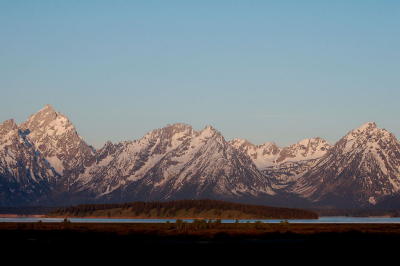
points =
(205, 209)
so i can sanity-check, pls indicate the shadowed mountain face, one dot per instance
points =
(26, 177)
(45, 161)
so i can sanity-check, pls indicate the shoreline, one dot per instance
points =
(173, 218)
(167, 218)
(140, 217)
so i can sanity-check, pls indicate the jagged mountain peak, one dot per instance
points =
(48, 124)
(209, 128)
(367, 139)
(48, 107)
(309, 141)
(46, 110)
(109, 145)
(209, 132)
(365, 130)
(174, 134)
(55, 137)
(49, 121)
(7, 126)
(306, 149)
(25, 175)
(241, 143)
(367, 134)
(178, 126)
(271, 155)
(361, 168)
(170, 130)
(244, 143)
(8, 132)
(9, 123)
(262, 155)
(309, 148)
(366, 126)
(269, 144)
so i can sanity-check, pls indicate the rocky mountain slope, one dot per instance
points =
(283, 165)
(55, 137)
(26, 177)
(269, 154)
(363, 167)
(45, 161)
(174, 162)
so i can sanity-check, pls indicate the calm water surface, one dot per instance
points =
(329, 220)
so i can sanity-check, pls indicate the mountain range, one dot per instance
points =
(44, 161)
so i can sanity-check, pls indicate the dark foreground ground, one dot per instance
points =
(190, 243)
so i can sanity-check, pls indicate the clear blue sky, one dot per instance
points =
(261, 70)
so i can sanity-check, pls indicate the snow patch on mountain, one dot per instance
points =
(56, 164)
(270, 155)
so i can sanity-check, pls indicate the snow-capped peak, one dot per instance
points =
(269, 154)
(48, 121)
(305, 149)
(241, 143)
(47, 108)
(209, 132)
(367, 133)
(178, 127)
(245, 145)
(366, 129)
(312, 147)
(306, 142)
(366, 126)
(56, 138)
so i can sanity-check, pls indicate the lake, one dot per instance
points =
(326, 220)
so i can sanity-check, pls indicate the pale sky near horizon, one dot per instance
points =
(275, 71)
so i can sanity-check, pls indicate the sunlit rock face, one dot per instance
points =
(55, 137)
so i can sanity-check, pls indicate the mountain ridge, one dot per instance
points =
(178, 162)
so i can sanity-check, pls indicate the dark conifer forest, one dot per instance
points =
(207, 209)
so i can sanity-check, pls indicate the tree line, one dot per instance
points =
(195, 206)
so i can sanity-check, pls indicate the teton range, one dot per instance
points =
(44, 161)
